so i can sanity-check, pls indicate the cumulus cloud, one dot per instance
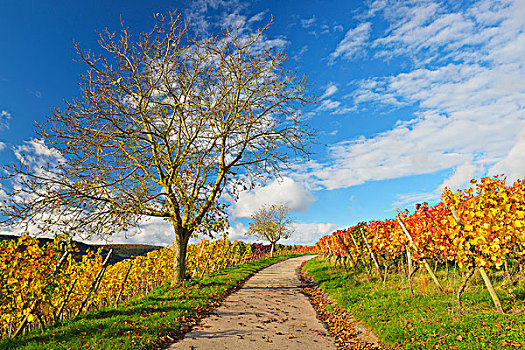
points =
(280, 191)
(237, 231)
(513, 165)
(153, 231)
(461, 177)
(36, 154)
(304, 234)
(309, 233)
(354, 43)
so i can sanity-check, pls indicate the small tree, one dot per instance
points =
(161, 125)
(271, 223)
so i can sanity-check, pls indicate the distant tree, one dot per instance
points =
(161, 126)
(271, 223)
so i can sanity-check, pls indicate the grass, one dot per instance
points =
(429, 320)
(145, 322)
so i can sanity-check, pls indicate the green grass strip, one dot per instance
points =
(428, 320)
(143, 322)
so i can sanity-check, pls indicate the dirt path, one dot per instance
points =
(268, 312)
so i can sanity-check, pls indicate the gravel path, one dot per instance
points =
(268, 312)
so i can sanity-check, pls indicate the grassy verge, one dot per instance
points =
(428, 320)
(143, 323)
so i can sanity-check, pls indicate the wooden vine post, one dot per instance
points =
(427, 266)
(197, 259)
(95, 283)
(123, 283)
(147, 276)
(325, 254)
(337, 257)
(243, 258)
(208, 260)
(227, 258)
(219, 264)
(410, 270)
(66, 299)
(461, 289)
(35, 301)
(360, 255)
(372, 254)
(481, 269)
(347, 251)
(330, 254)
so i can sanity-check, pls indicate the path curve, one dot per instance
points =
(268, 312)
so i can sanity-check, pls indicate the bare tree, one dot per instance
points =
(271, 223)
(163, 123)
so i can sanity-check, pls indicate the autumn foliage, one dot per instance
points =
(26, 268)
(492, 218)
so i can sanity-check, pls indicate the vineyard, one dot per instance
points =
(481, 228)
(478, 231)
(42, 285)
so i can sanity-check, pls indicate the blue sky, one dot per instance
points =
(414, 95)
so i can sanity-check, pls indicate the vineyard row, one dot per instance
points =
(478, 228)
(40, 285)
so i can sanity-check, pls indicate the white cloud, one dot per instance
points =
(36, 154)
(307, 23)
(354, 43)
(331, 105)
(265, 43)
(299, 55)
(5, 116)
(331, 89)
(3, 194)
(513, 165)
(328, 105)
(154, 231)
(304, 234)
(410, 199)
(466, 85)
(461, 177)
(309, 233)
(285, 191)
(205, 16)
(199, 13)
(234, 20)
(257, 17)
(237, 231)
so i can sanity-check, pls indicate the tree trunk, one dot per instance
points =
(273, 248)
(179, 259)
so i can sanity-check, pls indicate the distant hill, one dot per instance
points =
(120, 251)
